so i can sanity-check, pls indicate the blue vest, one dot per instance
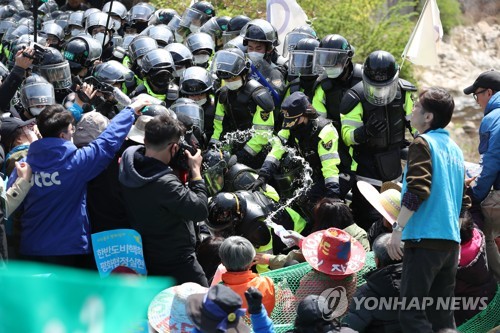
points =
(438, 216)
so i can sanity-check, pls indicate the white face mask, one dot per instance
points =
(101, 37)
(36, 111)
(179, 72)
(333, 72)
(235, 85)
(201, 59)
(255, 56)
(76, 32)
(194, 28)
(201, 102)
(117, 24)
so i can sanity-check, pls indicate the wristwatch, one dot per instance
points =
(397, 227)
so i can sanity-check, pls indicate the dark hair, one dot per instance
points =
(331, 213)
(439, 102)
(161, 131)
(466, 229)
(208, 255)
(10, 139)
(53, 120)
(379, 248)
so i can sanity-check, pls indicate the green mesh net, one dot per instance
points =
(286, 284)
(485, 320)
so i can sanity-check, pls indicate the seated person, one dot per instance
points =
(310, 318)
(335, 257)
(237, 254)
(382, 282)
(473, 278)
(334, 213)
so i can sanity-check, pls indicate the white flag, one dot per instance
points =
(423, 44)
(285, 15)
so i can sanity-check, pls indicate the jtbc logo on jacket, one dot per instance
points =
(45, 179)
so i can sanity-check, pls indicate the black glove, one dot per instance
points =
(244, 157)
(254, 300)
(259, 183)
(346, 182)
(374, 126)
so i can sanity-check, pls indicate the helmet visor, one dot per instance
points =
(212, 28)
(214, 177)
(228, 62)
(228, 35)
(291, 40)
(193, 19)
(328, 58)
(140, 47)
(380, 94)
(301, 63)
(59, 75)
(193, 111)
(38, 94)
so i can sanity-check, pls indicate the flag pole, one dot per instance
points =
(413, 35)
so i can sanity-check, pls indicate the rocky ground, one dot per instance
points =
(464, 54)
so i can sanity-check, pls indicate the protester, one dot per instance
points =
(55, 225)
(485, 189)
(237, 254)
(433, 198)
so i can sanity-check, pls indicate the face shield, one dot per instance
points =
(212, 28)
(331, 62)
(227, 63)
(291, 40)
(140, 47)
(193, 19)
(301, 63)
(380, 93)
(228, 35)
(214, 177)
(160, 80)
(193, 111)
(59, 74)
(37, 95)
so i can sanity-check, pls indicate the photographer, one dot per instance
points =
(160, 207)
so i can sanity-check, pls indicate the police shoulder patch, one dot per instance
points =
(264, 115)
(327, 145)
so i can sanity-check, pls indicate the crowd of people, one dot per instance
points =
(195, 131)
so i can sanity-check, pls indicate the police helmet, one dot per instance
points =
(188, 107)
(380, 78)
(216, 26)
(163, 16)
(118, 9)
(98, 19)
(36, 94)
(224, 211)
(260, 30)
(48, 7)
(82, 51)
(294, 36)
(234, 27)
(55, 69)
(195, 81)
(201, 46)
(157, 110)
(139, 46)
(229, 63)
(302, 57)
(236, 42)
(113, 72)
(7, 11)
(183, 58)
(332, 56)
(161, 33)
(89, 11)
(51, 28)
(215, 165)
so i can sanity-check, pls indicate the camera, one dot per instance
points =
(37, 55)
(180, 161)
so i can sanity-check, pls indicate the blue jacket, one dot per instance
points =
(54, 220)
(489, 149)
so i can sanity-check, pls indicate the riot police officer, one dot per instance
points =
(376, 112)
(242, 104)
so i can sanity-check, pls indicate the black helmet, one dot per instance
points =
(55, 69)
(215, 164)
(139, 46)
(52, 28)
(118, 9)
(36, 94)
(332, 56)
(236, 42)
(157, 110)
(259, 30)
(205, 7)
(7, 11)
(195, 81)
(201, 46)
(139, 16)
(224, 211)
(234, 27)
(229, 63)
(195, 16)
(163, 16)
(98, 19)
(82, 51)
(215, 27)
(161, 33)
(89, 11)
(380, 78)
(294, 36)
(187, 107)
(183, 58)
(302, 57)
(157, 67)
(112, 72)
